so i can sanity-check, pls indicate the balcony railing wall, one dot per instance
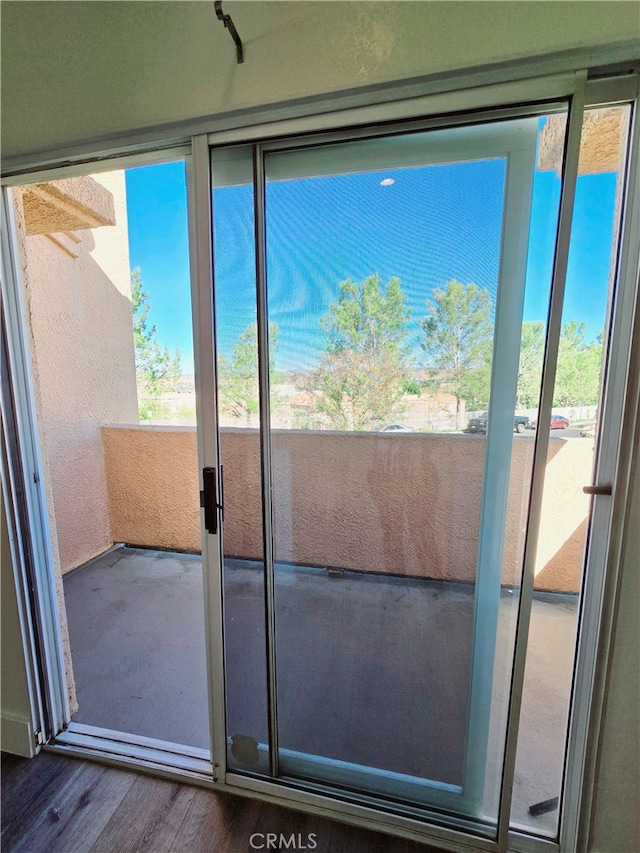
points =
(407, 504)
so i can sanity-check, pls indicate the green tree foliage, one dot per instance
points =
(363, 373)
(238, 374)
(578, 370)
(457, 337)
(530, 366)
(157, 370)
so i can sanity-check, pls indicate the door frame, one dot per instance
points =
(515, 143)
(618, 419)
(615, 415)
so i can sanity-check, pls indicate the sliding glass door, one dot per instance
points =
(370, 296)
(388, 323)
(398, 243)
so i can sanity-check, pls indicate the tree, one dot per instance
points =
(239, 384)
(354, 391)
(458, 334)
(157, 370)
(530, 366)
(578, 370)
(364, 372)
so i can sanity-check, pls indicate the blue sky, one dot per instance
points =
(159, 245)
(431, 225)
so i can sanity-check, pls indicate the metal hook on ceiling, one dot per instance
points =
(226, 20)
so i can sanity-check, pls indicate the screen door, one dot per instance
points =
(369, 303)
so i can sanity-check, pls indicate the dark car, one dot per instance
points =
(479, 424)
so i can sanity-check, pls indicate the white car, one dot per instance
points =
(396, 428)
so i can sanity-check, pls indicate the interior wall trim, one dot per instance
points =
(601, 60)
(17, 735)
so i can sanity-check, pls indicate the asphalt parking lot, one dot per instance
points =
(570, 432)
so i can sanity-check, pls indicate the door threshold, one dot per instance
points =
(186, 764)
(121, 749)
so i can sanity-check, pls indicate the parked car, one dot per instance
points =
(520, 423)
(479, 424)
(557, 422)
(396, 428)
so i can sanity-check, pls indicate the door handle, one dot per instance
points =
(605, 489)
(209, 498)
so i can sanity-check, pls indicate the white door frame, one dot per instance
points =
(514, 142)
(617, 418)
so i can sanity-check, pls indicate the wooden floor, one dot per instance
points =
(56, 803)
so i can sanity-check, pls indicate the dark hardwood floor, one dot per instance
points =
(55, 803)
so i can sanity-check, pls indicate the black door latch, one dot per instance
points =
(210, 499)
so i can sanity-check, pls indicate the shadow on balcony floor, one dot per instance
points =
(352, 652)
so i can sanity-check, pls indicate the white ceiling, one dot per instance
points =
(75, 71)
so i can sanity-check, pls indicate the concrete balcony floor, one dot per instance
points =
(372, 669)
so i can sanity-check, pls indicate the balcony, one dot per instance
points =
(376, 539)
(136, 626)
(136, 615)
(406, 504)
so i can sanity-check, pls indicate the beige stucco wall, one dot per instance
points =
(77, 299)
(405, 504)
(152, 479)
(77, 296)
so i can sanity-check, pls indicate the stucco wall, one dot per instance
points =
(77, 296)
(152, 480)
(405, 504)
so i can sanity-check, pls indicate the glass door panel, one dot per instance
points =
(568, 517)
(104, 269)
(238, 407)
(376, 461)
(395, 280)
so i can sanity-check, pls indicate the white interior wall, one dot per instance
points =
(80, 70)
(616, 816)
(16, 729)
(73, 71)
